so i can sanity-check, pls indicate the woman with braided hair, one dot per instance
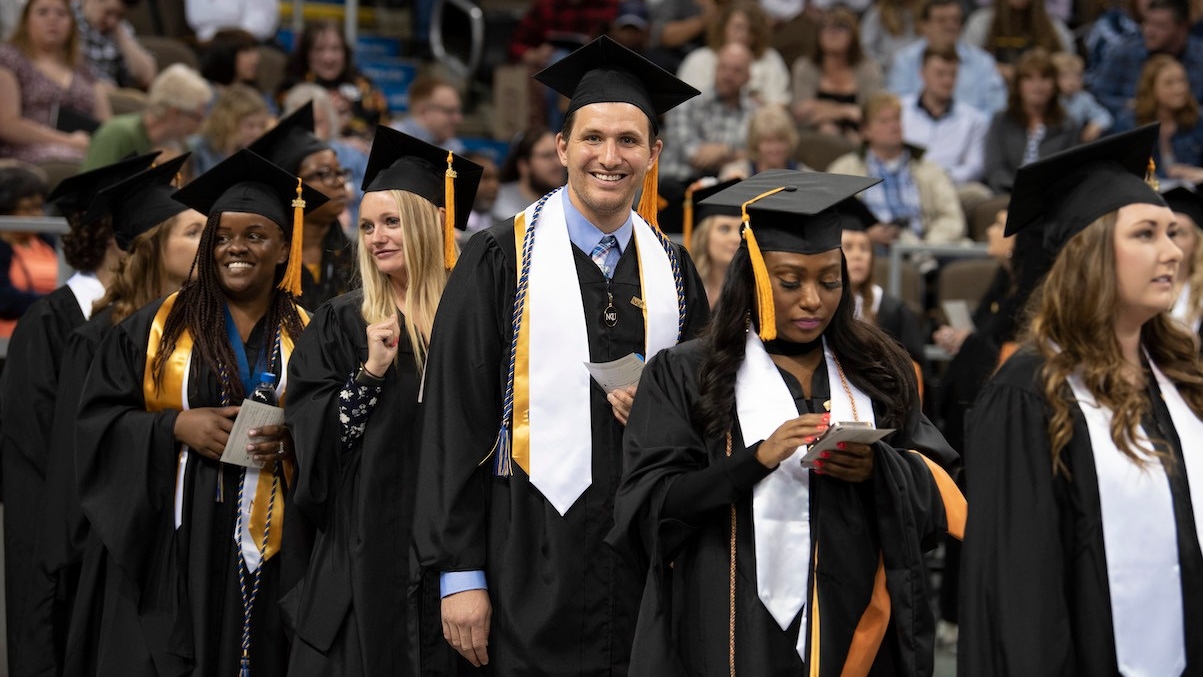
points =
(747, 545)
(194, 543)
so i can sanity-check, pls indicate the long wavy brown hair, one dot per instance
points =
(1146, 100)
(1035, 63)
(24, 41)
(1076, 337)
(139, 278)
(758, 26)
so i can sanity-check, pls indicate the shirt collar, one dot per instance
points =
(87, 290)
(927, 111)
(585, 235)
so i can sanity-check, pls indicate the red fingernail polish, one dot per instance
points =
(841, 445)
(822, 426)
(826, 417)
(818, 464)
(818, 471)
(825, 454)
(808, 440)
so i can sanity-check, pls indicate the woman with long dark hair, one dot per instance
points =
(747, 545)
(193, 543)
(1081, 553)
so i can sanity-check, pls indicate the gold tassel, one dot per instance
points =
(687, 219)
(766, 314)
(291, 282)
(1151, 176)
(449, 252)
(650, 200)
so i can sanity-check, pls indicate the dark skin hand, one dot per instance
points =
(270, 443)
(848, 462)
(206, 429)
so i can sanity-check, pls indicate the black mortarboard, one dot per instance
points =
(856, 215)
(291, 141)
(604, 71)
(401, 162)
(694, 212)
(245, 182)
(1185, 199)
(1067, 191)
(786, 210)
(75, 193)
(140, 202)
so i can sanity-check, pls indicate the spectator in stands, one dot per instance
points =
(630, 28)
(1011, 27)
(1164, 96)
(323, 56)
(239, 116)
(109, 45)
(772, 142)
(326, 127)
(486, 196)
(47, 92)
(711, 130)
(677, 28)
(1165, 29)
(916, 201)
(175, 108)
(1033, 126)
(530, 171)
(1119, 22)
(28, 264)
(888, 26)
(260, 18)
(231, 56)
(832, 83)
(716, 238)
(979, 84)
(1080, 105)
(952, 132)
(741, 21)
(435, 113)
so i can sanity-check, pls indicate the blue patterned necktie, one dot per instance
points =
(605, 255)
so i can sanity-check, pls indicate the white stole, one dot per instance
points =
(87, 290)
(781, 501)
(561, 437)
(1140, 536)
(1182, 310)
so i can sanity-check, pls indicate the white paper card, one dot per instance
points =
(251, 416)
(623, 372)
(854, 432)
(957, 312)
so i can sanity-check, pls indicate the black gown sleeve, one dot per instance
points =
(1015, 617)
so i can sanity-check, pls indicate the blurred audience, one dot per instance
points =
(239, 116)
(916, 201)
(772, 142)
(888, 26)
(175, 108)
(486, 196)
(232, 56)
(28, 264)
(1011, 27)
(630, 28)
(979, 83)
(260, 18)
(1033, 126)
(550, 29)
(1121, 20)
(435, 113)
(322, 56)
(744, 22)
(109, 45)
(1163, 95)
(1080, 105)
(530, 171)
(326, 128)
(677, 27)
(832, 83)
(711, 130)
(50, 100)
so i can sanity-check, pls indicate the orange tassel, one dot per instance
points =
(766, 312)
(449, 252)
(1151, 176)
(291, 282)
(687, 219)
(650, 199)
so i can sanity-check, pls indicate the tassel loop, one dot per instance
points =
(449, 252)
(291, 282)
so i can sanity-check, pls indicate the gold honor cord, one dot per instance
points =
(766, 315)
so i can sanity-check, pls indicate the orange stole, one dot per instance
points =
(171, 396)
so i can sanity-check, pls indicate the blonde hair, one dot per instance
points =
(24, 42)
(771, 122)
(877, 103)
(1194, 308)
(140, 277)
(180, 87)
(1063, 61)
(699, 246)
(236, 103)
(1075, 337)
(422, 230)
(305, 92)
(1146, 100)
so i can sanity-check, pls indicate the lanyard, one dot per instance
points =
(244, 368)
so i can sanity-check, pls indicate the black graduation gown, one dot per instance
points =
(563, 602)
(64, 530)
(337, 270)
(361, 590)
(28, 390)
(897, 320)
(169, 598)
(1034, 592)
(684, 622)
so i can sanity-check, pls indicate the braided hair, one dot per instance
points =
(200, 309)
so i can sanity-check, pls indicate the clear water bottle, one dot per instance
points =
(265, 392)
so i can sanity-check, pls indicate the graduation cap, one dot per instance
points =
(694, 211)
(140, 202)
(604, 71)
(785, 210)
(856, 215)
(1185, 199)
(401, 162)
(75, 193)
(245, 182)
(291, 141)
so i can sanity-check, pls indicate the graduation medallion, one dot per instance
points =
(610, 314)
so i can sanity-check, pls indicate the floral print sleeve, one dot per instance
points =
(355, 405)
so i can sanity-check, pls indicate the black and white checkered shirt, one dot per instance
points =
(101, 52)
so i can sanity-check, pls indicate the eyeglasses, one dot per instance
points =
(330, 177)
